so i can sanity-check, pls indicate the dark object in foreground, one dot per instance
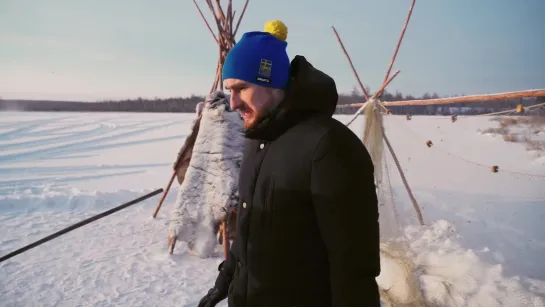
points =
(212, 298)
(307, 231)
(79, 224)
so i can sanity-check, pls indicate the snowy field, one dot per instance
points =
(485, 231)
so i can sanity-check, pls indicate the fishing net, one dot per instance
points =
(398, 281)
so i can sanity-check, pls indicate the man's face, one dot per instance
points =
(251, 100)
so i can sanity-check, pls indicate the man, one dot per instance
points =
(307, 222)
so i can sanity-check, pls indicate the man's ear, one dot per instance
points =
(278, 91)
(278, 94)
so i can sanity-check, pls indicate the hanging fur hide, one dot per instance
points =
(208, 172)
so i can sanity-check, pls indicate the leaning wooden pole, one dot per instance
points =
(183, 154)
(78, 225)
(165, 192)
(225, 238)
(404, 179)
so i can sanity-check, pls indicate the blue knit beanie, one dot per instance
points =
(260, 57)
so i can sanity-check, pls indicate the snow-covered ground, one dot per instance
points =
(484, 232)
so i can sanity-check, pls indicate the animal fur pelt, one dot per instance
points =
(184, 155)
(210, 183)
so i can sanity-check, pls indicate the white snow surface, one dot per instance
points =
(210, 187)
(483, 243)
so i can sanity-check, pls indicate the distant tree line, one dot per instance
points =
(175, 104)
(188, 105)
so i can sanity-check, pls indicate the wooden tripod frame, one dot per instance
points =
(227, 29)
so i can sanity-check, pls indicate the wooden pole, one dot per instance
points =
(450, 100)
(225, 238)
(405, 183)
(363, 90)
(182, 154)
(172, 238)
(372, 98)
(164, 193)
(78, 225)
(392, 61)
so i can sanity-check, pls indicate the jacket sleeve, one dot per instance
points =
(346, 207)
(226, 272)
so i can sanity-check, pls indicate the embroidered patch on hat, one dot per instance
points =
(264, 73)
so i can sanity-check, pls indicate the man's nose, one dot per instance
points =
(234, 102)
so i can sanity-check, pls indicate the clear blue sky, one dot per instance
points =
(109, 49)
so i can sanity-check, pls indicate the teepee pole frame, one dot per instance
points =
(225, 39)
(377, 94)
(226, 32)
(448, 100)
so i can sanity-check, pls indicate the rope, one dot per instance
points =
(505, 112)
(471, 161)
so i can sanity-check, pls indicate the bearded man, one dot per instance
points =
(307, 230)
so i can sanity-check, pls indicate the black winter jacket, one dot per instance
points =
(307, 223)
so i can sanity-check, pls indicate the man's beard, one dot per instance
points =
(257, 116)
(253, 119)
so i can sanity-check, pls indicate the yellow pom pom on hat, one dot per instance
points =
(260, 57)
(277, 28)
